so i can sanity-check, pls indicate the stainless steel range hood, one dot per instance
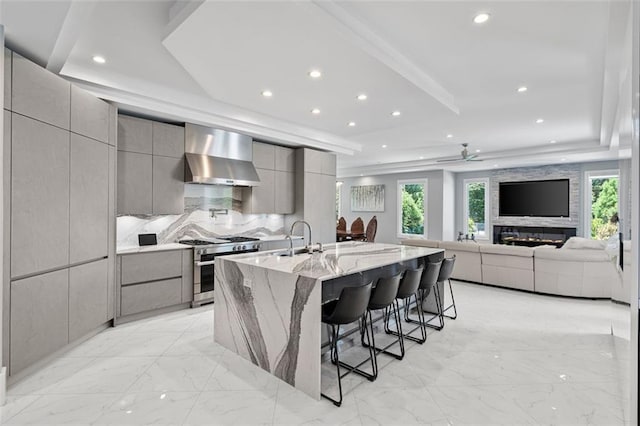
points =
(218, 157)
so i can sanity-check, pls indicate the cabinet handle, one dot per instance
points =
(210, 262)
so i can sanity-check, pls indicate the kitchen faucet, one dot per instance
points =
(290, 252)
(309, 247)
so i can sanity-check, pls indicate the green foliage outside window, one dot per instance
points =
(604, 204)
(476, 207)
(413, 209)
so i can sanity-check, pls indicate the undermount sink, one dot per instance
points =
(285, 252)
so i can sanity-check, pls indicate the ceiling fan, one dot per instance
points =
(464, 156)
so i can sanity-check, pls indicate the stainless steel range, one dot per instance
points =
(204, 254)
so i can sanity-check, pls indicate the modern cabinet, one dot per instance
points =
(39, 317)
(39, 196)
(89, 203)
(7, 78)
(39, 94)
(150, 167)
(89, 115)
(154, 280)
(135, 183)
(168, 185)
(88, 294)
(168, 140)
(276, 193)
(135, 135)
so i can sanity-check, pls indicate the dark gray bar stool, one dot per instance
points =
(445, 275)
(428, 282)
(384, 297)
(409, 286)
(349, 308)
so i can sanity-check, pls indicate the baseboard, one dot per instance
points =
(148, 314)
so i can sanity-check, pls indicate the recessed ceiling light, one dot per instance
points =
(422, 158)
(552, 141)
(477, 150)
(563, 159)
(351, 124)
(495, 165)
(267, 93)
(315, 74)
(539, 120)
(481, 18)
(395, 113)
(449, 136)
(99, 59)
(315, 111)
(522, 89)
(362, 97)
(384, 146)
(361, 174)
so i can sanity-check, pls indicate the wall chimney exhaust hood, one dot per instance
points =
(218, 157)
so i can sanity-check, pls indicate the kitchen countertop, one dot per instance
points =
(146, 249)
(336, 260)
(280, 237)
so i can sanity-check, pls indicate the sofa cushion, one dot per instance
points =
(575, 255)
(584, 243)
(508, 250)
(454, 245)
(421, 242)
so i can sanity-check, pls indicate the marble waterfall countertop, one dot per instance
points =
(146, 249)
(336, 260)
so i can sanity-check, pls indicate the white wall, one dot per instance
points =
(439, 203)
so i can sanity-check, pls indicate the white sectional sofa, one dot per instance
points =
(577, 272)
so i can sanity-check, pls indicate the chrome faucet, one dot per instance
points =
(290, 252)
(309, 247)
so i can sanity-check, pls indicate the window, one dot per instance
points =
(602, 204)
(476, 208)
(412, 196)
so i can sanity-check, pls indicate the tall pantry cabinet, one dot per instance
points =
(59, 213)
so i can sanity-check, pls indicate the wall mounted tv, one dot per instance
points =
(542, 198)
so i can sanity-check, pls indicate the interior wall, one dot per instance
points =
(387, 220)
(574, 171)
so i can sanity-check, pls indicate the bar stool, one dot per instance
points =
(428, 282)
(384, 297)
(445, 275)
(350, 307)
(409, 287)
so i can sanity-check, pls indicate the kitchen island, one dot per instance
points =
(268, 305)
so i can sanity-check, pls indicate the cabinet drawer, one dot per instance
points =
(143, 267)
(153, 295)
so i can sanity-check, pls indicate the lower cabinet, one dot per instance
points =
(154, 280)
(88, 295)
(39, 317)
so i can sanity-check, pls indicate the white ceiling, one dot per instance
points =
(207, 62)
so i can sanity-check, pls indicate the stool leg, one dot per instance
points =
(370, 342)
(452, 305)
(387, 314)
(335, 331)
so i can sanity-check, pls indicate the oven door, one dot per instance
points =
(203, 275)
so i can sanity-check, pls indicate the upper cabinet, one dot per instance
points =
(275, 194)
(89, 115)
(40, 94)
(150, 167)
(135, 135)
(7, 79)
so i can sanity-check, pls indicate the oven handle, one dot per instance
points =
(210, 262)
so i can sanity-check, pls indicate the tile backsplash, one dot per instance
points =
(198, 221)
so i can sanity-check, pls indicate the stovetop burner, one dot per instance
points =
(223, 240)
(240, 239)
(196, 242)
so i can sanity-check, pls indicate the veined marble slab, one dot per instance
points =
(268, 307)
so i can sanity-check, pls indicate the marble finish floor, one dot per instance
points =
(510, 358)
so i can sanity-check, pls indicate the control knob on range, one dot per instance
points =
(236, 248)
(243, 248)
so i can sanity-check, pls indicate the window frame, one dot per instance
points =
(487, 207)
(588, 195)
(425, 183)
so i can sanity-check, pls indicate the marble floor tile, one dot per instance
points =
(14, 405)
(180, 373)
(149, 408)
(77, 409)
(192, 343)
(385, 406)
(234, 408)
(43, 381)
(296, 408)
(104, 375)
(234, 373)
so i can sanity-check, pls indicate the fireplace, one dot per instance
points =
(531, 236)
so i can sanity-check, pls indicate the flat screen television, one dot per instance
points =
(542, 198)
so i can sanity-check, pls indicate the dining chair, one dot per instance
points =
(372, 227)
(357, 227)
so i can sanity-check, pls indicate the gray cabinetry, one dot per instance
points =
(89, 115)
(39, 317)
(168, 185)
(135, 135)
(328, 164)
(39, 94)
(89, 204)
(284, 192)
(134, 183)
(261, 199)
(7, 79)
(168, 140)
(263, 156)
(39, 196)
(312, 161)
(285, 159)
(142, 267)
(154, 280)
(88, 293)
